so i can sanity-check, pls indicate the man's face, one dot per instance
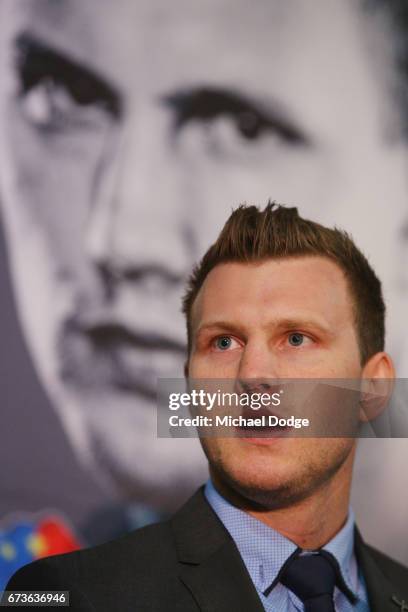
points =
(288, 318)
(128, 131)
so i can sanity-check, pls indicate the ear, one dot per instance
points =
(378, 379)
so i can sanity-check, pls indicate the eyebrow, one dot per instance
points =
(225, 325)
(296, 323)
(206, 102)
(36, 60)
(284, 323)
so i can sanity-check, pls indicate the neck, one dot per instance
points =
(310, 523)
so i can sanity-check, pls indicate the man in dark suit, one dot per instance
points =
(276, 297)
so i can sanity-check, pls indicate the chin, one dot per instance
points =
(280, 480)
(266, 487)
(272, 491)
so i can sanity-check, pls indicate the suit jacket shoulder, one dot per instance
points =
(187, 564)
(132, 572)
(386, 579)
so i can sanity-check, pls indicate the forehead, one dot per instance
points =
(270, 42)
(292, 288)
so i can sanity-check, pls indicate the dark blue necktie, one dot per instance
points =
(312, 578)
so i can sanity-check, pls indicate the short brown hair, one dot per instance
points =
(253, 235)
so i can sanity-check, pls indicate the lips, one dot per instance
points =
(260, 431)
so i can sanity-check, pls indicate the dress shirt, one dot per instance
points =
(264, 551)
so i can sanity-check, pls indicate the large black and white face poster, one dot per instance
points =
(128, 131)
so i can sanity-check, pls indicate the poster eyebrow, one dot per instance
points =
(204, 101)
(36, 59)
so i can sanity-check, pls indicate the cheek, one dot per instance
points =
(327, 455)
(214, 365)
(340, 361)
(345, 363)
(47, 192)
(50, 169)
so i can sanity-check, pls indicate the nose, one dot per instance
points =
(258, 367)
(138, 224)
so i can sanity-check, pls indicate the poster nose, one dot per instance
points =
(140, 223)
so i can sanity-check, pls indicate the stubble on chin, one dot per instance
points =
(250, 490)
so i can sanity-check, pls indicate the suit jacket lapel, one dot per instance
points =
(210, 564)
(212, 569)
(380, 589)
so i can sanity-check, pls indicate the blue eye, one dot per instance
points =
(223, 343)
(296, 339)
